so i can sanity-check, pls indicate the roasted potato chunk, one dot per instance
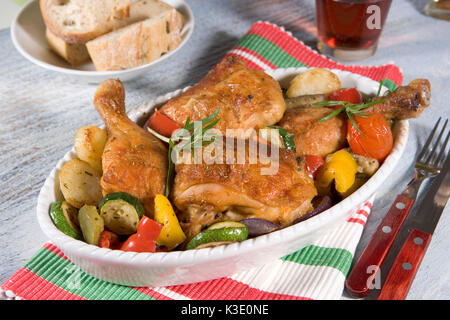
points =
(80, 183)
(313, 81)
(89, 144)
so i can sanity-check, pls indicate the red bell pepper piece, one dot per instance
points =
(144, 240)
(109, 240)
(313, 165)
(161, 124)
(351, 95)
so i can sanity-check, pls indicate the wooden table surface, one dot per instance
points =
(41, 110)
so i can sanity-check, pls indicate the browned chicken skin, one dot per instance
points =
(406, 101)
(203, 193)
(247, 98)
(133, 161)
(312, 137)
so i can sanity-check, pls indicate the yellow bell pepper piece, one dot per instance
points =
(171, 233)
(340, 167)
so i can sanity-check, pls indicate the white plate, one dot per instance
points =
(180, 267)
(28, 36)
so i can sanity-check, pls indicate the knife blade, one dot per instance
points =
(426, 218)
(419, 228)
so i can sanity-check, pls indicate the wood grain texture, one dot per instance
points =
(41, 110)
(376, 251)
(405, 266)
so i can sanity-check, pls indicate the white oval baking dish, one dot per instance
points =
(181, 267)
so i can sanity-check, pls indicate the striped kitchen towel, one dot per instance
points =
(315, 272)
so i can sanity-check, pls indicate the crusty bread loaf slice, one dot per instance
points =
(144, 9)
(140, 42)
(73, 53)
(78, 21)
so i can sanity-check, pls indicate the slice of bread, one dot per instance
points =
(73, 53)
(78, 21)
(144, 9)
(155, 29)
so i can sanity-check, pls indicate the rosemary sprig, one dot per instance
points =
(380, 87)
(171, 169)
(199, 130)
(351, 110)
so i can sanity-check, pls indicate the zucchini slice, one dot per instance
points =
(125, 197)
(232, 234)
(226, 224)
(120, 216)
(91, 224)
(65, 218)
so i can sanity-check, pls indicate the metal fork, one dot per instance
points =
(428, 165)
(429, 162)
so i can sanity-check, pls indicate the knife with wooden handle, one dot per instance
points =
(359, 281)
(420, 227)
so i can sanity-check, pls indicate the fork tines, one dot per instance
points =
(434, 156)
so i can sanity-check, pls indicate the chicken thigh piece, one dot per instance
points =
(312, 137)
(247, 98)
(209, 193)
(133, 161)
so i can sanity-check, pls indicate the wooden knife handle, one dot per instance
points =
(405, 266)
(360, 279)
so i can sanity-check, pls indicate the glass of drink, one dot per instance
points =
(438, 9)
(350, 29)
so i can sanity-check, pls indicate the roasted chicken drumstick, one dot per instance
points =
(133, 161)
(312, 137)
(406, 101)
(321, 138)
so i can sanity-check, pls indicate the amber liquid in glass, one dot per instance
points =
(351, 25)
(438, 9)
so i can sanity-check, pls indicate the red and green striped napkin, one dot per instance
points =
(315, 272)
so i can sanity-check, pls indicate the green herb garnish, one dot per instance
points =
(351, 110)
(286, 136)
(194, 141)
(170, 170)
(389, 84)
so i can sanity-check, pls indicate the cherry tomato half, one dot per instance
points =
(351, 95)
(377, 141)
